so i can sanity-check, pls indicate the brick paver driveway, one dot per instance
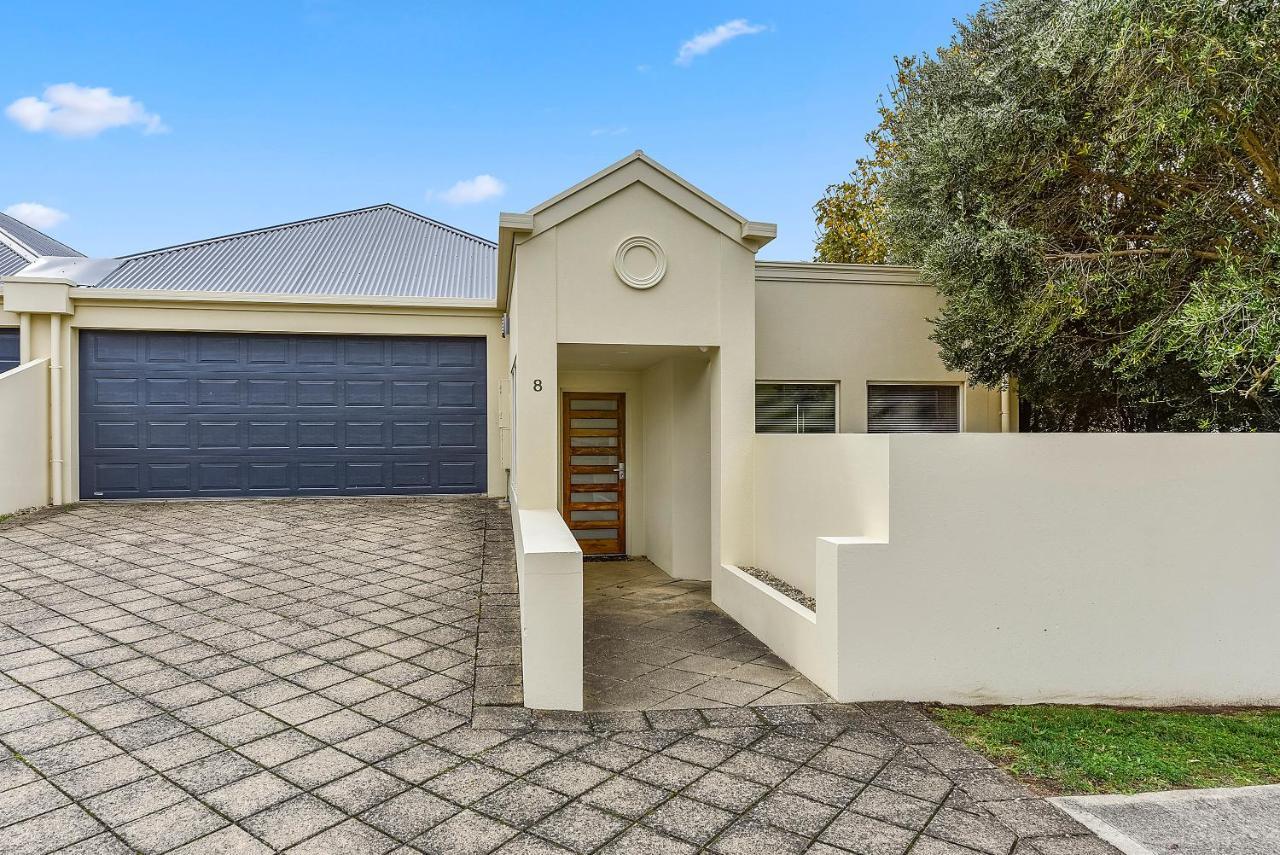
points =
(250, 677)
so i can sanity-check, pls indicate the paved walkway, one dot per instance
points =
(653, 642)
(340, 677)
(1229, 821)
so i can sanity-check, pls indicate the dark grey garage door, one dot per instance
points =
(170, 415)
(8, 349)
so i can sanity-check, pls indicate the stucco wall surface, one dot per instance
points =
(1020, 568)
(594, 305)
(815, 485)
(857, 333)
(24, 436)
(678, 469)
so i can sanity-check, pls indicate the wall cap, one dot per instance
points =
(36, 296)
(515, 222)
(758, 232)
(822, 273)
(543, 533)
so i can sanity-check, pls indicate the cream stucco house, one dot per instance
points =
(377, 351)
(622, 368)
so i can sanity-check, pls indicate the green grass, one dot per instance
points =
(1074, 750)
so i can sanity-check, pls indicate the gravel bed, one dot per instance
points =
(791, 592)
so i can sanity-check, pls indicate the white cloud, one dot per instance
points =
(70, 110)
(473, 190)
(615, 131)
(706, 42)
(36, 215)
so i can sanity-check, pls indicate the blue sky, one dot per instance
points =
(247, 114)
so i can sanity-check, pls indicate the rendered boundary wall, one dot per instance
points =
(24, 436)
(1023, 568)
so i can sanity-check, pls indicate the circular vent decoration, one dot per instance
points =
(640, 262)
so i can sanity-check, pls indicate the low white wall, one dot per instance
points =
(1085, 568)
(549, 567)
(790, 630)
(24, 437)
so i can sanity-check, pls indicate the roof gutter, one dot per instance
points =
(147, 295)
(18, 286)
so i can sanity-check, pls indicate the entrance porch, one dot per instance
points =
(635, 453)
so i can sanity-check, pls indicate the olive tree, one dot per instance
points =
(1094, 188)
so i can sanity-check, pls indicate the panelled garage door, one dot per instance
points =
(8, 349)
(172, 415)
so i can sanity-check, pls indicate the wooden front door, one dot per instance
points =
(593, 458)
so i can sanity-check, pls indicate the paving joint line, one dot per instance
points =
(287, 727)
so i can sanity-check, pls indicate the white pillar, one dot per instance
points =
(55, 408)
(24, 337)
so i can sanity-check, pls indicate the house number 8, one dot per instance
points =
(537, 385)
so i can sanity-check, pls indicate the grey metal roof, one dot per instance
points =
(382, 251)
(10, 261)
(37, 241)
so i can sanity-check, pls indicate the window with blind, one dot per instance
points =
(796, 408)
(902, 408)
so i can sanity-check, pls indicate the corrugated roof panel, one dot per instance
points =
(383, 251)
(39, 242)
(10, 261)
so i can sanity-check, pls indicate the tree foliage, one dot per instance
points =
(850, 214)
(849, 228)
(1094, 187)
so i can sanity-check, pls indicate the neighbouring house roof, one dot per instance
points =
(20, 245)
(22, 239)
(11, 261)
(381, 251)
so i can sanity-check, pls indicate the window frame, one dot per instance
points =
(961, 402)
(835, 384)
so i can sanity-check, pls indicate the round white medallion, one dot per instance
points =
(640, 262)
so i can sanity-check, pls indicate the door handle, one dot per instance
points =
(622, 471)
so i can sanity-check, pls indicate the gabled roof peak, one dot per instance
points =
(639, 168)
(635, 168)
(638, 156)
